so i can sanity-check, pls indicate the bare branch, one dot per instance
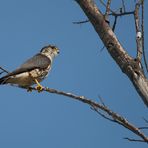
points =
(115, 22)
(138, 32)
(102, 115)
(142, 28)
(123, 5)
(107, 9)
(116, 15)
(113, 13)
(134, 140)
(101, 100)
(145, 120)
(113, 116)
(101, 1)
(131, 67)
(122, 13)
(144, 127)
(81, 22)
(3, 70)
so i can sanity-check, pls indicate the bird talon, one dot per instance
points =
(39, 88)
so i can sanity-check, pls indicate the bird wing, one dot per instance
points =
(38, 61)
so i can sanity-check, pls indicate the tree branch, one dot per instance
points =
(127, 64)
(108, 3)
(107, 10)
(138, 32)
(112, 116)
(3, 70)
(142, 28)
(115, 22)
(123, 5)
(122, 13)
(81, 22)
(145, 120)
(134, 140)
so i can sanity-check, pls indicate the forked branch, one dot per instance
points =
(129, 65)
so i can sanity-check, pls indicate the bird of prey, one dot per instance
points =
(34, 70)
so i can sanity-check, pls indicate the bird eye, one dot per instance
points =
(55, 49)
(58, 51)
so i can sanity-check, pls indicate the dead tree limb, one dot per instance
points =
(127, 64)
(107, 10)
(142, 28)
(138, 32)
(107, 113)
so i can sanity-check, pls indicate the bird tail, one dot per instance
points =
(3, 80)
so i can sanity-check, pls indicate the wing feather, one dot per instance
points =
(38, 61)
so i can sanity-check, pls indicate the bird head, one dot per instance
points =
(50, 51)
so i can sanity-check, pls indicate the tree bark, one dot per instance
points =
(131, 67)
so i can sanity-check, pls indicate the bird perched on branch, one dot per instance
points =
(34, 70)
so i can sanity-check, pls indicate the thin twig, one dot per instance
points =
(123, 5)
(119, 14)
(143, 127)
(4, 70)
(145, 120)
(102, 49)
(122, 14)
(102, 115)
(81, 22)
(101, 100)
(134, 140)
(115, 22)
(106, 6)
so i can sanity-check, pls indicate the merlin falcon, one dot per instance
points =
(34, 70)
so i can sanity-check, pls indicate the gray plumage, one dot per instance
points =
(36, 67)
(31, 64)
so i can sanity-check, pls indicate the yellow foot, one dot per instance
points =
(39, 88)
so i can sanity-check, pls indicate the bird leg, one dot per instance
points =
(39, 87)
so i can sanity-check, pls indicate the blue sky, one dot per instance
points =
(47, 120)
